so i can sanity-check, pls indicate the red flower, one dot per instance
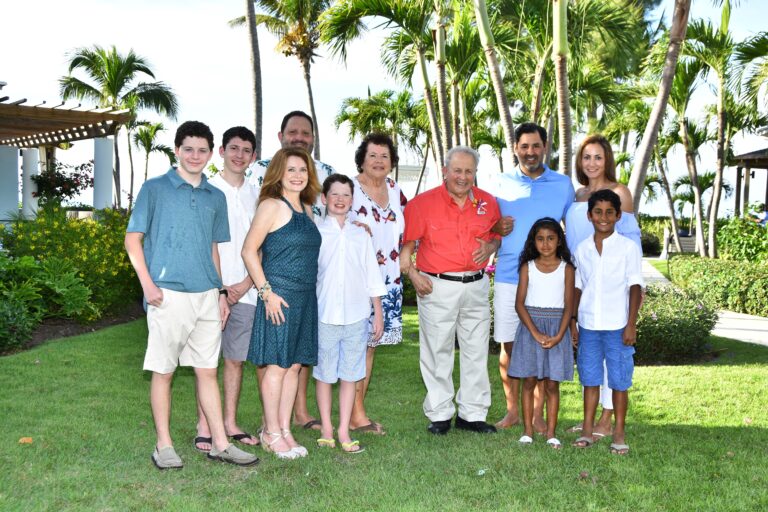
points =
(380, 257)
(393, 255)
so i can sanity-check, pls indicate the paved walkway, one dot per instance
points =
(737, 326)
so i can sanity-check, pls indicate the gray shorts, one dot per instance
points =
(236, 337)
(341, 352)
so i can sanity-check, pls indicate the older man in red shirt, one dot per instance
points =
(452, 224)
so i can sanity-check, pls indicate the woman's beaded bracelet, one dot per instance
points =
(264, 289)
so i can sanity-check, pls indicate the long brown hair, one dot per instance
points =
(610, 162)
(272, 187)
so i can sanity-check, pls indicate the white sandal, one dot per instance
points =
(554, 443)
(299, 450)
(525, 440)
(267, 446)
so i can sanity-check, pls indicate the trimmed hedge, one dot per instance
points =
(736, 286)
(673, 326)
(742, 239)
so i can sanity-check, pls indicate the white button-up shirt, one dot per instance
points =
(241, 207)
(604, 281)
(347, 275)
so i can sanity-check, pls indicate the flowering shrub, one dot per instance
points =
(63, 181)
(673, 326)
(739, 286)
(92, 248)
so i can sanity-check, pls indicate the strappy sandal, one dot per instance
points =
(267, 446)
(299, 450)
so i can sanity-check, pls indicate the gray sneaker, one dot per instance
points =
(233, 455)
(167, 458)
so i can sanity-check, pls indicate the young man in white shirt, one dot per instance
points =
(348, 282)
(237, 150)
(608, 289)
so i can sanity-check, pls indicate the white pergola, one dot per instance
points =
(29, 132)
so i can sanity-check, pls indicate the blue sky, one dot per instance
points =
(191, 47)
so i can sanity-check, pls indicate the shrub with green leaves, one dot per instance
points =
(673, 326)
(736, 286)
(650, 243)
(92, 248)
(743, 239)
(16, 324)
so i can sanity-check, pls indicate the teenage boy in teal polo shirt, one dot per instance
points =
(180, 218)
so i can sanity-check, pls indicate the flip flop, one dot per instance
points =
(619, 449)
(586, 442)
(525, 440)
(311, 424)
(554, 443)
(371, 428)
(244, 435)
(202, 439)
(345, 447)
(575, 428)
(326, 442)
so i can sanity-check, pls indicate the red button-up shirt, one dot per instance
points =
(446, 233)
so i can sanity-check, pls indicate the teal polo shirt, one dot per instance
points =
(180, 223)
(527, 200)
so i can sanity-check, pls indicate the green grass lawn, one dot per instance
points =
(660, 265)
(698, 436)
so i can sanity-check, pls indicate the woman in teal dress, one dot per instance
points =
(281, 252)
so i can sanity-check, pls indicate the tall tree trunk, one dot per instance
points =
(116, 176)
(690, 160)
(250, 18)
(501, 163)
(714, 204)
(465, 119)
(538, 85)
(423, 167)
(550, 129)
(502, 103)
(670, 202)
(438, 149)
(307, 79)
(130, 163)
(560, 57)
(624, 146)
(455, 111)
(442, 92)
(146, 167)
(645, 150)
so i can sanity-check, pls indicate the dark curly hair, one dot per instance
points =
(529, 251)
(380, 139)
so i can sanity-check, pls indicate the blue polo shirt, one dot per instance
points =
(527, 200)
(180, 224)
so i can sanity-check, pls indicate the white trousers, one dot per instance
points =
(455, 308)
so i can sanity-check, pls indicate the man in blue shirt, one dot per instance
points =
(531, 191)
(180, 218)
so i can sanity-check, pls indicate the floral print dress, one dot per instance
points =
(387, 224)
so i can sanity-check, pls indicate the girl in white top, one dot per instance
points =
(544, 304)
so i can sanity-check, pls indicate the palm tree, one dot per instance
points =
(145, 138)
(676, 37)
(683, 86)
(296, 24)
(258, 101)
(717, 50)
(116, 84)
(754, 50)
(560, 56)
(489, 48)
(343, 23)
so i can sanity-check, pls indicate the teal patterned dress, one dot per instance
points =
(289, 259)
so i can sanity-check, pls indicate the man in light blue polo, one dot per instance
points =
(172, 237)
(531, 191)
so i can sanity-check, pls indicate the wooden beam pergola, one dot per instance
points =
(25, 126)
(748, 162)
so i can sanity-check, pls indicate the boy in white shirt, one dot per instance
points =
(608, 289)
(348, 282)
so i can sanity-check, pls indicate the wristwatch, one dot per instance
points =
(224, 292)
